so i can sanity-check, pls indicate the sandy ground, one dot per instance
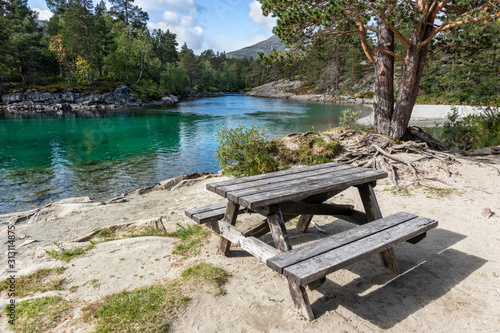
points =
(428, 115)
(450, 280)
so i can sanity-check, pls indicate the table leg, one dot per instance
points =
(301, 300)
(304, 222)
(278, 230)
(373, 213)
(230, 217)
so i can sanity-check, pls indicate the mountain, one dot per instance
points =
(266, 46)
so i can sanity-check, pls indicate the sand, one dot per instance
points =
(450, 281)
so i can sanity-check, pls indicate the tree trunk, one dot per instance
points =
(410, 82)
(383, 105)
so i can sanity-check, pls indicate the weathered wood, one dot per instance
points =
(316, 267)
(278, 231)
(252, 245)
(316, 284)
(230, 217)
(209, 213)
(257, 231)
(335, 241)
(297, 193)
(301, 300)
(373, 213)
(279, 181)
(218, 186)
(301, 208)
(304, 222)
(417, 239)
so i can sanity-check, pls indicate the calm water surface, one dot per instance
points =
(48, 157)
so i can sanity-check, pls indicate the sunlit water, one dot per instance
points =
(48, 157)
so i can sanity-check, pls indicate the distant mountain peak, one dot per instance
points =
(266, 46)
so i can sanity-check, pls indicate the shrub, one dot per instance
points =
(244, 151)
(348, 117)
(474, 131)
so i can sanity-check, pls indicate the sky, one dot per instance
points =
(220, 25)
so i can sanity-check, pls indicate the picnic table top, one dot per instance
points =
(294, 184)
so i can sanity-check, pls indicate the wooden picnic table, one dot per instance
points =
(302, 192)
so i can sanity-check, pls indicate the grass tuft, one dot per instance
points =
(40, 314)
(206, 273)
(67, 254)
(192, 238)
(39, 281)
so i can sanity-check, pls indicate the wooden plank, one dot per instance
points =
(316, 284)
(284, 179)
(294, 193)
(213, 186)
(304, 222)
(252, 245)
(300, 300)
(312, 269)
(257, 231)
(278, 231)
(230, 217)
(290, 184)
(373, 213)
(198, 210)
(335, 241)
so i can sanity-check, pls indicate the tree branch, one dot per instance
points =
(403, 40)
(443, 48)
(392, 54)
(364, 42)
(456, 24)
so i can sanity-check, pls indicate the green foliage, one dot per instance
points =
(205, 273)
(39, 281)
(146, 309)
(242, 151)
(67, 254)
(472, 132)
(192, 238)
(348, 117)
(40, 314)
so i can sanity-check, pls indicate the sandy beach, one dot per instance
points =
(450, 281)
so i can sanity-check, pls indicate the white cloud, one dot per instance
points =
(255, 14)
(43, 14)
(152, 6)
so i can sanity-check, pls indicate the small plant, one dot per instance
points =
(39, 281)
(348, 117)
(40, 314)
(192, 238)
(73, 289)
(204, 272)
(67, 254)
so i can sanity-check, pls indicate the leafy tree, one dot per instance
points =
(127, 12)
(165, 46)
(413, 24)
(190, 63)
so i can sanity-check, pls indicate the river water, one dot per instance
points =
(48, 157)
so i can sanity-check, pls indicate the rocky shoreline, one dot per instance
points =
(76, 101)
(287, 89)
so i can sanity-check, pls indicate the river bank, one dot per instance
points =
(449, 281)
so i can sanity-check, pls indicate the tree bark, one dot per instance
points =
(410, 82)
(383, 105)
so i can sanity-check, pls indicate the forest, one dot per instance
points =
(87, 46)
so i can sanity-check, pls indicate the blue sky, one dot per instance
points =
(220, 25)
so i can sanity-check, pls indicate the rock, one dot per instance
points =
(487, 213)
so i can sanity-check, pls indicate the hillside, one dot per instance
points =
(266, 46)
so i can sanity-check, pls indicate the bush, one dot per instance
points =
(474, 131)
(348, 117)
(244, 151)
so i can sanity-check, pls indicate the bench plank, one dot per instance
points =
(209, 213)
(316, 267)
(332, 242)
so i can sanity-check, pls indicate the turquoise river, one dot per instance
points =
(47, 157)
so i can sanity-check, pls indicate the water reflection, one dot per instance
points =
(49, 156)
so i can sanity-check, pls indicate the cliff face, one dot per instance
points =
(47, 101)
(294, 90)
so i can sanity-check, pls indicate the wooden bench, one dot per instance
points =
(309, 264)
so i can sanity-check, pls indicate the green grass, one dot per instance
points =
(206, 273)
(438, 193)
(40, 281)
(40, 314)
(146, 309)
(192, 238)
(68, 254)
